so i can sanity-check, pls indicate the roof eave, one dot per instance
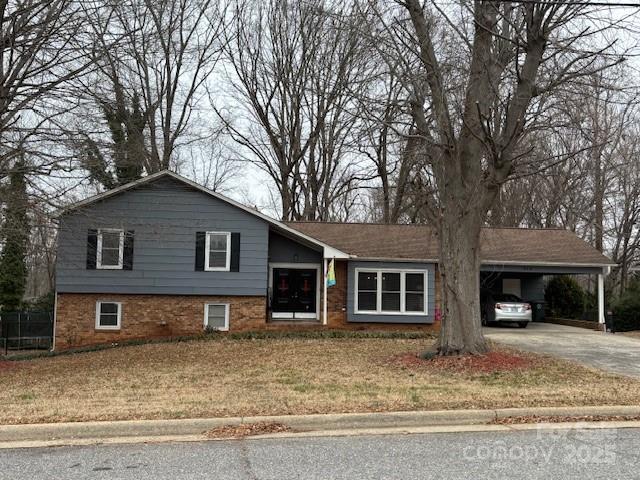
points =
(110, 193)
(550, 264)
(490, 262)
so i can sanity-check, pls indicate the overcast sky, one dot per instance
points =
(253, 187)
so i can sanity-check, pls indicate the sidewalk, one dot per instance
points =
(140, 431)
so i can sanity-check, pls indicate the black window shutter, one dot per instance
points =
(235, 252)
(92, 248)
(127, 254)
(200, 243)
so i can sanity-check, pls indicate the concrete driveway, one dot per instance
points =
(612, 352)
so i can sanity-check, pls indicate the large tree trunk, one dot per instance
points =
(461, 331)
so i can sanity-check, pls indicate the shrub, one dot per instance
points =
(44, 303)
(565, 297)
(626, 309)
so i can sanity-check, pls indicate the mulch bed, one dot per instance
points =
(562, 419)
(7, 365)
(493, 362)
(246, 430)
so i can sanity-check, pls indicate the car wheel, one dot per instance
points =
(523, 324)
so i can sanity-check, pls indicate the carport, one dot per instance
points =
(516, 261)
(527, 281)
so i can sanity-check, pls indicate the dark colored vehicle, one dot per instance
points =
(504, 308)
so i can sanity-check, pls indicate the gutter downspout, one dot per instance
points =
(55, 318)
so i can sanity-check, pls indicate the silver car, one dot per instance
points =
(504, 307)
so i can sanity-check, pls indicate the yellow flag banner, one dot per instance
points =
(331, 274)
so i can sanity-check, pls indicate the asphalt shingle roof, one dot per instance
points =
(419, 242)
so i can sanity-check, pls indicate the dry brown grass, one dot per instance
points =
(281, 376)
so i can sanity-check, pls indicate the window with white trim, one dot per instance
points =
(217, 251)
(396, 292)
(216, 316)
(391, 292)
(414, 292)
(367, 291)
(108, 315)
(110, 249)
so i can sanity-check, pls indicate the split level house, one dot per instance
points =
(164, 257)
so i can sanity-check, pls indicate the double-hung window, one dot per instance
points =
(218, 251)
(414, 292)
(391, 297)
(216, 316)
(395, 292)
(108, 315)
(367, 292)
(110, 249)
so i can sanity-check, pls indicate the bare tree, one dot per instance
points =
(476, 112)
(210, 165)
(387, 141)
(41, 253)
(294, 65)
(39, 54)
(152, 62)
(623, 206)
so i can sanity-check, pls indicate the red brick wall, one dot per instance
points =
(158, 316)
(337, 297)
(148, 316)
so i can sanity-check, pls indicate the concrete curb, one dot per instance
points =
(143, 430)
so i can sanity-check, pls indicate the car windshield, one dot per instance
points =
(506, 297)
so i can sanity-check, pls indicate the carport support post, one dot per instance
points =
(601, 299)
(325, 268)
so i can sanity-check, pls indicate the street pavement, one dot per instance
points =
(536, 454)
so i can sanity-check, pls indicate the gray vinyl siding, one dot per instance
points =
(165, 216)
(285, 250)
(531, 284)
(386, 318)
(533, 288)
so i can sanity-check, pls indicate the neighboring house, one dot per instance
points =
(164, 256)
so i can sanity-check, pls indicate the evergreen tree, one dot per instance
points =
(14, 236)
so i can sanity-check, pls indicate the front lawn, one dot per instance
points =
(287, 376)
